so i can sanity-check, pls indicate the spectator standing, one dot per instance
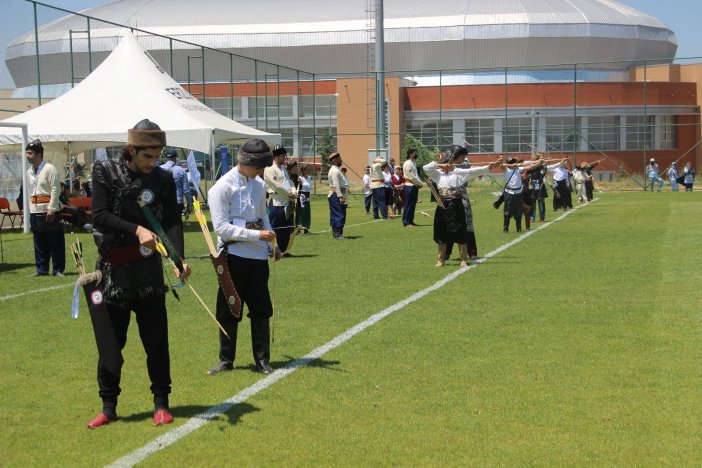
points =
(673, 174)
(367, 192)
(653, 173)
(411, 188)
(181, 181)
(305, 202)
(689, 174)
(45, 212)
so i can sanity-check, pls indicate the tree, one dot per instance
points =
(424, 154)
(325, 147)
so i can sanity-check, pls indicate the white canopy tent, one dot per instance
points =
(127, 87)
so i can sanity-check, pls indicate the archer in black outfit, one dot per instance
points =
(131, 269)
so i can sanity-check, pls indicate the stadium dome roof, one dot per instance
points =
(320, 36)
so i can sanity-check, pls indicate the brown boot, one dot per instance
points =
(463, 250)
(441, 256)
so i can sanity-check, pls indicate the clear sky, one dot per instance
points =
(682, 16)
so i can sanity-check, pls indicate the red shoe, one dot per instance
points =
(101, 420)
(162, 416)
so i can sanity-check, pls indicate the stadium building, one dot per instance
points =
(495, 74)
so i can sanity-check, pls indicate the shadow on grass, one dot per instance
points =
(319, 363)
(234, 413)
(291, 255)
(14, 266)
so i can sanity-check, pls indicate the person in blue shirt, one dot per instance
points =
(181, 181)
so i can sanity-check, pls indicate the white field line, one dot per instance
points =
(196, 422)
(350, 225)
(34, 291)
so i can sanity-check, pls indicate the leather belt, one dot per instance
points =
(126, 254)
(256, 225)
(377, 180)
(41, 199)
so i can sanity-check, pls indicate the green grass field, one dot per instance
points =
(580, 345)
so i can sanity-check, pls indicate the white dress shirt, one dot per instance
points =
(560, 173)
(235, 200)
(456, 178)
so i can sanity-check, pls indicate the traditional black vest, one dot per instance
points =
(128, 270)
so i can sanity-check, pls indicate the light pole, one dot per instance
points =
(533, 131)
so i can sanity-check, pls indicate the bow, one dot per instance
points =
(165, 248)
(162, 250)
(219, 262)
(273, 295)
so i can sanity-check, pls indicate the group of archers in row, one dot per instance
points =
(137, 218)
(523, 195)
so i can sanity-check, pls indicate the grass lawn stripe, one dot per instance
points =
(196, 422)
(34, 291)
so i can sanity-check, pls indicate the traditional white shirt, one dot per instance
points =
(387, 176)
(366, 185)
(42, 183)
(336, 182)
(673, 172)
(513, 180)
(456, 178)
(278, 185)
(376, 175)
(409, 169)
(306, 185)
(560, 173)
(235, 200)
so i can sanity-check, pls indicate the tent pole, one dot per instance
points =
(212, 159)
(70, 167)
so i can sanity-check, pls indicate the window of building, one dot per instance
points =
(324, 103)
(228, 107)
(287, 138)
(603, 133)
(668, 132)
(481, 134)
(518, 135)
(432, 133)
(269, 107)
(561, 133)
(307, 136)
(638, 132)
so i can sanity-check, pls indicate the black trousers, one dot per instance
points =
(280, 224)
(48, 245)
(250, 279)
(110, 324)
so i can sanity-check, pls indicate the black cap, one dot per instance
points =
(171, 153)
(512, 160)
(279, 149)
(255, 152)
(36, 146)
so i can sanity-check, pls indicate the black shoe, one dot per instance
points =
(505, 229)
(263, 367)
(222, 366)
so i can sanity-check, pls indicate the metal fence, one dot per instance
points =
(622, 113)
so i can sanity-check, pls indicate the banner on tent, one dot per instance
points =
(224, 157)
